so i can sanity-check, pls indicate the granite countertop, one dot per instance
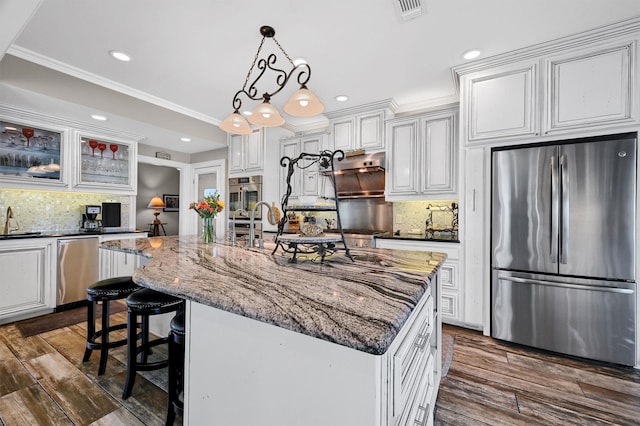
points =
(361, 304)
(73, 233)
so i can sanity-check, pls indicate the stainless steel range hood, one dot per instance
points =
(360, 176)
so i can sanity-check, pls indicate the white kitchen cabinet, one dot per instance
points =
(501, 102)
(246, 153)
(118, 263)
(452, 295)
(359, 131)
(421, 156)
(27, 287)
(105, 163)
(295, 379)
(309, 182)
(39, 161)
(589, 88)
(475, 216)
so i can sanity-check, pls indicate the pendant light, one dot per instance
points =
(303, 102)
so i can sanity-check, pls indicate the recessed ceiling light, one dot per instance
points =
(98, 117)
(121, 56)
(10, 128)
(185, 139)
(342, 98)
(471, 54)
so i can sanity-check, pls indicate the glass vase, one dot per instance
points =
(208, 231)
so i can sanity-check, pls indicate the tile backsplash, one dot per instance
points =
(50, 211)
(410, 216)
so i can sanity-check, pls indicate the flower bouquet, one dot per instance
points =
(208, 208)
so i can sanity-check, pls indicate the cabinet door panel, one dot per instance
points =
(402, 177)
(502, 105)
(343, 134)
(25, 281)
(437, 155)
(370, 131)
(590, 89)
(290, 149)
(235, 153)
(253, 154)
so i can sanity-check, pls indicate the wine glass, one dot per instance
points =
(114, 148)
(93, 144)
(28, 133)
(102, 147)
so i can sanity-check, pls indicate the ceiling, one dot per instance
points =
(189, 58)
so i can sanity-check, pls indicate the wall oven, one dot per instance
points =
(244, 193)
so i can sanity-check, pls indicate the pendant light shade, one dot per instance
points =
(236, 124)
(303, 103)
(266, 115)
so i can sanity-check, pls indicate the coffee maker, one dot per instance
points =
(90, 220)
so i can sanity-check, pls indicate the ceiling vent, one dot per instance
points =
(408, 9)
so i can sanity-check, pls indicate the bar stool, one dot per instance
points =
(105, 291)
(176, 367)
(143, 304)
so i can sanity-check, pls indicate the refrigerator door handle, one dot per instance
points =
(565, 285)
(564, 210)
(553, 240)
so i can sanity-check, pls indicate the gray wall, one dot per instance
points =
(156, 180)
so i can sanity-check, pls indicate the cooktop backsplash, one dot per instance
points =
(49, 211)
(410, 216)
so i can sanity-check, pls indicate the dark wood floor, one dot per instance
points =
(44, 382)
(496, 383)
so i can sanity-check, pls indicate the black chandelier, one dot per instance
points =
(303, 102)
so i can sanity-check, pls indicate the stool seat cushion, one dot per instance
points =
(177, 323)
(112, 287)
(151, 299)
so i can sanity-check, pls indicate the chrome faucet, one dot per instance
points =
(6, 223)
(252, 232)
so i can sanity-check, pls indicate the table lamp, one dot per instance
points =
(156, 203)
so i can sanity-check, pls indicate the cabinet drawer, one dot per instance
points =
(421, 409)
(409, 362)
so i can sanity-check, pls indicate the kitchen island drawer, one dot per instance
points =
(409, 361)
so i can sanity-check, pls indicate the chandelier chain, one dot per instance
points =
(285, 53)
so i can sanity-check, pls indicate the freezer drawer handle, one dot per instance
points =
(565, 285)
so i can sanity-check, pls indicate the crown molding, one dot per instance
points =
(53, 64)
(389, 104)
(35, 118)
(586, 38)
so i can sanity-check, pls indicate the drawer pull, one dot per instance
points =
(425, 415)
(421, 341)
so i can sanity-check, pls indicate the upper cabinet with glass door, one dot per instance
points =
(105, 163)
(31, 155)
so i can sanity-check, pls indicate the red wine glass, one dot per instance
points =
(28, 133)
(102, 147)
(93, 145)
(114, 148)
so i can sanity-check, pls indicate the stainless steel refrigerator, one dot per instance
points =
(563, 247)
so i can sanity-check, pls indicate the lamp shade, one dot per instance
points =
(236, 124)
(156, 203)
(303, 103)
(266, 115)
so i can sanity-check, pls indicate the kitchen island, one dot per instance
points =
(270, 342)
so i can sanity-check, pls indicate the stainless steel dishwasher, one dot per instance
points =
(77, 270)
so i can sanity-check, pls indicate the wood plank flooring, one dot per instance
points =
(498, 383)
(44, 382)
